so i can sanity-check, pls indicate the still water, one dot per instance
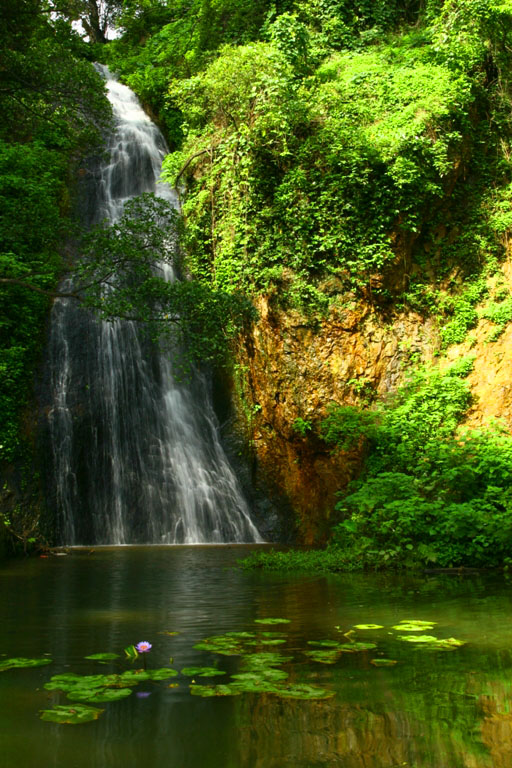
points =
(433, 709)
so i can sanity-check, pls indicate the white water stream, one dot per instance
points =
(135, 454)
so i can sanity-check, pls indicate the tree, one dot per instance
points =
(96, 16)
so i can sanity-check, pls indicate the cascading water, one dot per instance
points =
(135, 454)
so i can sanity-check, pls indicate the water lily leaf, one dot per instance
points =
(383, 662)
(450, 643)
(226, 645)
(326, 643)
(355, 647)
(271, 621)
(206, 691)
(268, 673)
(255, 685)
(70, 682)
(161, 674)
(323, 657)
(131, 652)
(303, 691)
(418, 638)
(266, 659)
(418, 622)
(241, 635)
(270, 641)
(412, 627)
(201, 671)
(21, 662)
(368, 626)
(274, 634)
(102, 656)
(75, 714)
(134, 676)
(98, 695)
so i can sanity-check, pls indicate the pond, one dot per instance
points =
(439, 706)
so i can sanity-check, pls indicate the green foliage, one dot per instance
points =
(462, 313)
(430, 493)
(128, 270)
(302, 426)
(499, 313)
(53, 109)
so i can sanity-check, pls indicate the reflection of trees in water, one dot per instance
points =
(408, 728)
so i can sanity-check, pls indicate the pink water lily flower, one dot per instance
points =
(143, 646)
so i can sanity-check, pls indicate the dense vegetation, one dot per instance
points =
(326, 151)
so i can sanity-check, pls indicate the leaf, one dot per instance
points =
(271, 621)
(241, 635)
(303, 691)
(274, 634)
(325, 643)
(206, 691)
(99, 695)
(131, 652)
(355, 647)
(418, 638)
(102, 656)
(201, 671)
(268, 673)
(368, 626)
(21, 662)
(161, 674)
(383, 662)
(79, 713)
(413, 626)
(265, 659)
(323, 657)
(418, 622)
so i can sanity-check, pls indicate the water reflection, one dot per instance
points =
(432, 710)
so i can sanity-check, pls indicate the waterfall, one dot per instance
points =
(135, 453)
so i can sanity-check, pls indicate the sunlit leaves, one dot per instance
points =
(73, 715)
(20, 663)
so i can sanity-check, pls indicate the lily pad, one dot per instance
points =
(22, 662)
(271, 621)
(303, 691)
(263, 674)
(74, 714)
(323, 657)
(223, 644)
(450, 643)
(240, 635)
(201, 671)
(274, 634)
(368, 626)
(412, 627)
(418, 622)
(161, 674)
(134, 676)
(418, 639)
(99, 695)
(70, 682)
(383, 662)
(207, 691)
(102, 656)
(325, 643)
(264, 659)
(355, 647)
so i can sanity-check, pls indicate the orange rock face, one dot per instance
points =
(294, 370)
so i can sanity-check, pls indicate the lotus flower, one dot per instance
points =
(143, 646)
